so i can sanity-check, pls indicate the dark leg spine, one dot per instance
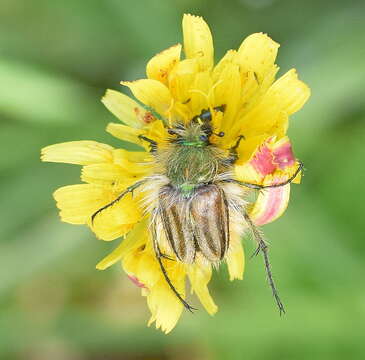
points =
(233, 151)
(130, 189)
(153, 144)
(262, 246)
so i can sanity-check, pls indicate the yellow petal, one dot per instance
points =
(157, 132)
(148, 269)
(124, 108)
(280, 126)
(115, 221)
(228, 59)
(236, 262)
(160, 65)
(140, 260)
(135, 238)
(165, 307)
(78, 202)
(198, 41)
(289, 92)
(107, 175)
(125, 133)
(199, 276)
(122, 155)
(78, 152)
(248, 147)
(286, 96)
(247, 173)
(228, 92)
(133, 163)
(200, 93)
(243, 169)
(181, 79)
(257, 53)
(152, 93)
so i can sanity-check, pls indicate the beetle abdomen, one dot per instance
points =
(176, 225)
(199, 223)
(210, 221)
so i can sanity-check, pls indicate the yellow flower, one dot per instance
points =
(247, 110)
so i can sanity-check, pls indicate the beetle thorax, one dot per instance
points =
(191, 160)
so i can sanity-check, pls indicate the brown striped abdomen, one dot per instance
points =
(210, 220)
(196, 224)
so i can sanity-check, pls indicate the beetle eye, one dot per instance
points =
(203, 137)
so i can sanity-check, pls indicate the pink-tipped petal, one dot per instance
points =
(270, 205)
(262, 161)
(283, 154)
(136, 282)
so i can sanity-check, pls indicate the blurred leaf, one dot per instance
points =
(33, 95)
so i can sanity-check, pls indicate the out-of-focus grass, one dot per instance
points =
(56, 60)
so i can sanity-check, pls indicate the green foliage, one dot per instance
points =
(57, 58)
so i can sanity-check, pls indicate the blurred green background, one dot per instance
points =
(56, 60)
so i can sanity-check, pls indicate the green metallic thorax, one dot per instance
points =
(189, 166)
(191, 159)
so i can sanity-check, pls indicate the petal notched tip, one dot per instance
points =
(198, 41)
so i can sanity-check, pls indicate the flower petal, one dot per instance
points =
(283, 153)
(152, 93)
(134, 239)
(270, 205)
(228, 59)
(200, 94)
(199, 276)
(115, 221)
(160, 65)
(125, 133)
(107, 175)
(165, 307)
(78, 152)
(249, 146)
(198, 42)
(157, 132)
(126, 109)
(120, 156)
(257, 53)
(228, 92)
(136, 281)
(147, 269)
(247, 173)
(289, 92)
(135, 164)
(286, 96)
(78, 202)
(236, 261)
(263, 160)
(181, 78)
